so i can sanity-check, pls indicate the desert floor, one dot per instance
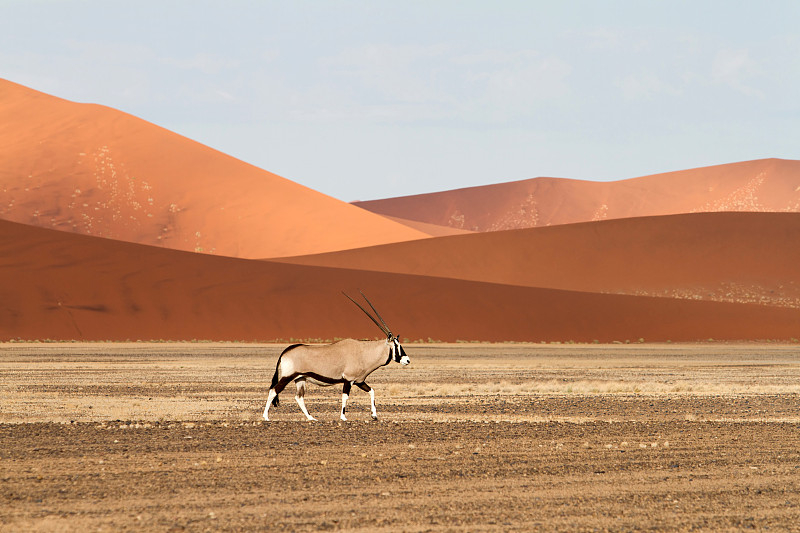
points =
(169, 437)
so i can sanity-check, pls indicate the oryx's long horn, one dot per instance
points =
(384, 329)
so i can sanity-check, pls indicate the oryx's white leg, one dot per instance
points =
(372, 403)
(270, 397)
(367, 388)
(344, 403)
(345, 396)
(301, 392)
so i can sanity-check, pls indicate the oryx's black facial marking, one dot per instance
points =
(397, 352)
(400, 352)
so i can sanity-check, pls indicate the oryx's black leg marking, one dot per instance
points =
(366, 388)
(282, 382)
(299, 397)
(345, 394)
(278, 384)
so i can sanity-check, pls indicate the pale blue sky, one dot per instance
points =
(372, 99)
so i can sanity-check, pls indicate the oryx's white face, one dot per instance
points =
(397, 353)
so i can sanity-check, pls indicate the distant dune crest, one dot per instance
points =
(181, 225)
(768, 185)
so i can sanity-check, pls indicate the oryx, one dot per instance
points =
(348, 362)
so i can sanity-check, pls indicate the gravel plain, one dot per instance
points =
(169, 437)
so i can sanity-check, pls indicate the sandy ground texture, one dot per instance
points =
(169, 437)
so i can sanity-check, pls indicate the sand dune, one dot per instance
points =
(134, 202)
(97, 171)
(59, 285)
(768, 185)
(434, 230)
(736, 257)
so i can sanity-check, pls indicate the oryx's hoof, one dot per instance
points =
(374, 417)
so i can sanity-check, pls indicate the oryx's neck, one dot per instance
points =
(382, 351)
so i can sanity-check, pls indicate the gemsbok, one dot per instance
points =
(348, 362)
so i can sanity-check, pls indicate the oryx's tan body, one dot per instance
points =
(348, 360)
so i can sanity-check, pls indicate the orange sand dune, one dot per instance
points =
(94, 170)
(434, 230)
(769, 185)
(59, 285)
(736, 257)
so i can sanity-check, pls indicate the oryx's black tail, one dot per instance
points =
(277, 376)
